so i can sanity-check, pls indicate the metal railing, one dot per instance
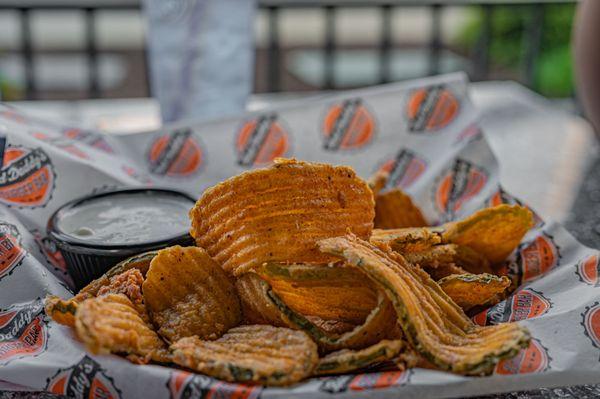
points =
(272, 72)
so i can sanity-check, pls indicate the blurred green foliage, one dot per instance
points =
(510, 24)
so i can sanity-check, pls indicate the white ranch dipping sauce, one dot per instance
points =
(127, 218)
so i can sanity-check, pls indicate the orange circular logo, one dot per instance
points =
(403, 170)
(261, 140)
(347, 126)
(11, 252)
(175, 155)
(364, 382)
(431, 109)
(591, 323)
(93, 139)
(85, 379)
(533, 359)
(458, 185)
(185, 385)
(537, 258)
(588, 270)
(22, 331)
(524, 304)
(26, 177)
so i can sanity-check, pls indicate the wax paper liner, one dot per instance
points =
(425, 133)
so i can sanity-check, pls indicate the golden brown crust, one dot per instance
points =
(434, 325)
(187, 294)
(277, 214)
(251, 354)
(470, 290)
(111, 324)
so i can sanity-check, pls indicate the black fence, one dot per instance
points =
(480, 61)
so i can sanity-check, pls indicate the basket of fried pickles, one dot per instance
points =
(304, 269)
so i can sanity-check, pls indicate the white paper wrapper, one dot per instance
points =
(425, 132)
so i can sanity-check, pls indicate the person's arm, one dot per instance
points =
(587, 58)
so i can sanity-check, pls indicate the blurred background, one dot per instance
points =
(77, 49)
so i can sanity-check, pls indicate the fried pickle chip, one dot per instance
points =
(277, 214)
(257, 306)
(434, 325)
(394, 209)
(440, 255)
(408, 239)
(259, 354)
(111, 324)
(261, 300)
(140, 262)
(187, 294)
(347, 360)
(128, 283)
(444, 270)
(326, 292)
(469, 290)
(61, 310)
(492, 232)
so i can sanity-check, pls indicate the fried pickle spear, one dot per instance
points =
(187, 294)
(408, 239)
(347, 360)
(434, 325)
(470, 290)
(492, 232)
(258, 299)
(258, 354)
(328, 293)
(128, 283)
(111, 324)
(277, 214)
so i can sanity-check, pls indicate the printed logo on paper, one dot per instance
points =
(591, 323)
(363, 382)
(11, 252)
(458, 185)
(137, 175)
(23, 331)
(347, 126)
(26, 177)
(50, 251)
(259, 141)
(13, 116)
(534, 259)
(431, 108)
(177, 154)
(62, 143)
(524, 304)
(588, 270)
(534, 359)
(83, 380)
(90, 138)
(403, 170)
(185, 385)
(502, 197)
(471, 133)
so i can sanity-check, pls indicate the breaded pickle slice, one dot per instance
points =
(407, 240)
(111, 324)
(277, 214)
(326, 292)
(440, 255)
(492, 232)
(470, 290)
(347, 360)
(275, 311)
(187, 293)
(434, 325)
(258, 354)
